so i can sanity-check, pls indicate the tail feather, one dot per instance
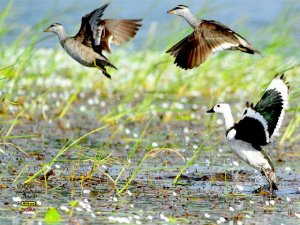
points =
(249, 49)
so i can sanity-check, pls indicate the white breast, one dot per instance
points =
(249, 154)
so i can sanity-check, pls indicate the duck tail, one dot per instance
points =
(249, 49)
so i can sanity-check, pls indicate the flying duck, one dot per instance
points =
(256, 127)
(95, 36)
(208, 37)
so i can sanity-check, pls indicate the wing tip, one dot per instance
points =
(281, 77)
(249, 105)
(105, 5)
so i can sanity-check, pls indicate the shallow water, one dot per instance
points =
(217, 189)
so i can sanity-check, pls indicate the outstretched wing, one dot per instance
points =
(260, 122)
(190, 52)
(252, 128)
(90, 31)
(209, 37)
(99, 34)
(273, 104)
(118, 31)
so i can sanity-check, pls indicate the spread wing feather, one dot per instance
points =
(209, 37)
(99, 34)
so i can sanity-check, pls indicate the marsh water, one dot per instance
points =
(108, 151)
(216, 188)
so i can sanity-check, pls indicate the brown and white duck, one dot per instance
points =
(95, 36)
(208, 37)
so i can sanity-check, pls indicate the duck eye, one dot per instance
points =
(218, 105)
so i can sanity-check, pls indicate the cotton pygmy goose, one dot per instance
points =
(208, 37)
(96, 35)
(256, 127)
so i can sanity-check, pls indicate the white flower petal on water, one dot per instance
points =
(154, 145)
(103, 104)
(17, 199)
(267, 203)
(235, 163)
(163, 217)
(288, 169)
(57, 166)
(104, 167)
(240, 187)
(206, 215)
(64, 208)
(82, 108)
(86, 191)
(118, 219)
(127, 131)
(136, 217)
(90, 101)
(186, 130)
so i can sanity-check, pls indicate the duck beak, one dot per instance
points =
(171, 11)
(47, 30)
(211, 111)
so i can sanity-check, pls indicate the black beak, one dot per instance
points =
(211, 110)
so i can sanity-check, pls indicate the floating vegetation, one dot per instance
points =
(139, 148)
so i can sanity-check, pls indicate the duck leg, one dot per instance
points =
(271, 178)
(100, 64)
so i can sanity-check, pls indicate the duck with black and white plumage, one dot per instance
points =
(256, 127)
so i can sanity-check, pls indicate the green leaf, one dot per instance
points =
(73, 204)
(52, 216)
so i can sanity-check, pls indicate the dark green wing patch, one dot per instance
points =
(270, 107)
